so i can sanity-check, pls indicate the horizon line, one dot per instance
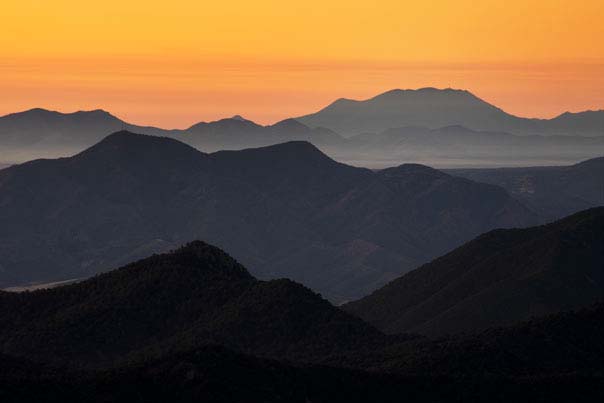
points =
(242, 116)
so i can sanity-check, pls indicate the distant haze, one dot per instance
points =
(445, 128)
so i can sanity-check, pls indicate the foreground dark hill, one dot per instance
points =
(499, 278)
(193, 325)
(284, 211)
(194, 296)
(435, 108)
(552, 192)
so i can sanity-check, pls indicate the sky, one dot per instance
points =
(174, 63)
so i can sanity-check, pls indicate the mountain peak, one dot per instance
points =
(425, 91)
(412, 170)
(124, 136)
(126, 144)
(48, 112)
(425, 107)
(292, 126)
(290, 150)
(94, 112)
(128, 138)
(294, 157)
(198, 255)
(295, 148)
(234, 123)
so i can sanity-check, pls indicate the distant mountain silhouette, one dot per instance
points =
(499, 278)
(590, 123)
(237, 133)
(41, 133)
(552, 192)
(430, 126)
(457, 145)
(434, 108)
(49, 128)
(284, 211)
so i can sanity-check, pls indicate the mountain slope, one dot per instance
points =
(238, 133)
(40, 133)
(194, 325)
(499, 278)
(43, 127)
(436, 127)
(434, 108)
(284, 211)
(194, 296)
(552, 192)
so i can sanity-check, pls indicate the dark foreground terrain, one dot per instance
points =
(194, 325)
(499, 278)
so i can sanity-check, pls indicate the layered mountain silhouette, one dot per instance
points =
(447, 128)
(552, 192)
(42, 133)
(49, 128)
(452, 146)
(195, 325)
(284, 211)
(238, 133)
(192, 297)
(499, 278)
(434, 108)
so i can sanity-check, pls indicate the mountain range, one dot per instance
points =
(499, 278)
(39, 133)
(551, 192)
(448, 128)
(455, 146)
(434, 108)
(193, 324)
(284, 211)
(194, 296)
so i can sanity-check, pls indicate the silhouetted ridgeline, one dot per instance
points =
(499, 278)
(152, 330)
(551, 192)
(284, 211)
(445, 128)
(434, 108)
(195, 295)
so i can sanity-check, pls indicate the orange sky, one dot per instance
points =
(175, 63)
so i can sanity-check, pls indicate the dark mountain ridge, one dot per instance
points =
(552, 192)
(49, 133)
(380, 129)
(195, 325)
(499, 278)
(285, 211)
(193, 296)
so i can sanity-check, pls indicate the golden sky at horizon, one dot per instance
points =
(175, 63)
